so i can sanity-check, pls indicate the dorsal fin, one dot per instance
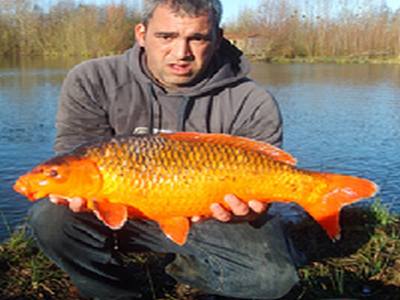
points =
(236, 141)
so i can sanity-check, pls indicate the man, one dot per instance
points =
(180, 76)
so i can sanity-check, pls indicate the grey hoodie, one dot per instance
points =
(117, 96)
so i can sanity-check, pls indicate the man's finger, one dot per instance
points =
(257, 206)
(239, 208)
(77, 204)
(195, 219)
(220, 213)
(58, 200)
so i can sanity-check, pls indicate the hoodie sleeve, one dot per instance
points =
(80, 117)
(259, 117)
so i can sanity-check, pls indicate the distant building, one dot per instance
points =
(250, 44)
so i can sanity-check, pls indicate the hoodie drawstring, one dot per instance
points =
(182, 113)
(150, 109)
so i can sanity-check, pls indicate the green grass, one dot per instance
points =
(363, 264)
(25, 273)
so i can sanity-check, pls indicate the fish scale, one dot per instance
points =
(169, 178)
(214, 169)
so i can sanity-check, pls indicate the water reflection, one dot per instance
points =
(28, 98)
(343, 75)
(24, 74)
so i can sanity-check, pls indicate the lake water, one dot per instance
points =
(337, 118)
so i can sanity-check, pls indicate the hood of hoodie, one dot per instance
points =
(227, 66)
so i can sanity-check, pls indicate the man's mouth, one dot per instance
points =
(180, 69)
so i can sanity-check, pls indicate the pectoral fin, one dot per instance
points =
(177, 229)
(112, 215)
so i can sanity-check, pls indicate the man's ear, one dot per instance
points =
(140, 32)
(220, 36)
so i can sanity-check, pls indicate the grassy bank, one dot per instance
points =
(326, 60)
(364, 264)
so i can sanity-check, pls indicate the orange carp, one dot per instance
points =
(169, 178)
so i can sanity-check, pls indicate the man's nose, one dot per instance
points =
(183, 50)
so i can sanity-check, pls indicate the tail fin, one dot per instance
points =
(343, 190)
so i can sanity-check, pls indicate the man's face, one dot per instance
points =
(178, 47)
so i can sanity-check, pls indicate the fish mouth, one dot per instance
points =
(20, 188)
(23, 189)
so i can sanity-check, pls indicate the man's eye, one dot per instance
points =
(165, 37)
(199, 39)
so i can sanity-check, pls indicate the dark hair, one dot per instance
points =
(191, 7)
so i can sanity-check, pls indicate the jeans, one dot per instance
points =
(228, 259)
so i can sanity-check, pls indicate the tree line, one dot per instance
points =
(320, 28)
(275, 28)
(65, 28)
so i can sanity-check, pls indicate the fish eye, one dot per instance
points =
(53, 173)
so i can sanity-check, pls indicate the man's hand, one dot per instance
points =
(75, 204)
(239, 210)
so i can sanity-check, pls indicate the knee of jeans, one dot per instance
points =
(45, 220)
(260, 284)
